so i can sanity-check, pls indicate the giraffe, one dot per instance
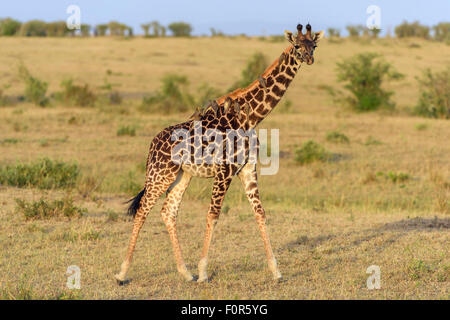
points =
(241, 109)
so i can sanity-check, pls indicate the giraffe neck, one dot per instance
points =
(264, 93)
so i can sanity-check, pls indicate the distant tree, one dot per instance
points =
(333, 33)
(9, 27)
(56, 29)
(115, 28)
(33, 28)
(180, 29)
(146, 28)
(101, 29)
(156, 28)
(85, 30)
(163, 31)
(442, 31)
(414, 29)
(216, 33)
(354, 30)
(374, 32)
(130, 31)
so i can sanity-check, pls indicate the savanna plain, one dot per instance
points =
(381, 199)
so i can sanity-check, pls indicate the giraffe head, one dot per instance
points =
(304, 44)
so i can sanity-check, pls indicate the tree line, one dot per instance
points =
(439, 32)
(39, 28)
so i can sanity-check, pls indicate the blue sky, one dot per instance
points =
(253, 17)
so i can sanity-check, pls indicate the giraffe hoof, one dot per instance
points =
(278, 277)
(188, 277)
(202, 279)
(121, 281)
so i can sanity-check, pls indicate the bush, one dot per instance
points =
(9, 27)
(310, 152)
(337, 137)
(255, 67)
(180, 29)
(206, 93)
(77, 95)
(126, 131)
(434, 101)
(35, 89)
(394, 176)
(43, 174)
(172, 97)
(414, 29)
(44, 209)
(364, 77)
(442, 31)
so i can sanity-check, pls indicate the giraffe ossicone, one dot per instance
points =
(241, 110)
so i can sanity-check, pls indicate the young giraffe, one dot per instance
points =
(241, 109)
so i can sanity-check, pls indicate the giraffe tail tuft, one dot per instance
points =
(135, 203)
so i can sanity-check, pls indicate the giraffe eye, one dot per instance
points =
(296, 46)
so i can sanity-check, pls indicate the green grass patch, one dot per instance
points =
(337, 137)
(395, 177)
(126, 131)
(44, 209)
(43, 174)
(310, 152)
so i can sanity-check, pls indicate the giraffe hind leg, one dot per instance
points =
(144, 202)
(169, 214)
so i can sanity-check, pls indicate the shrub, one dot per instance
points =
(77, 95)
(35, 89)
(126, 131)
(129, 184)
(172, 97)
(285, 107)
(434, 101)
(311, 151)
(442, 31)
(44, 209)
(337, 137)
(394, 176)
(206, 93)
(371, 141)
(43, 174)
(255, 66)
(114, 97)
(9, 27)
(414, 29)
(363, 77)
(180, 29)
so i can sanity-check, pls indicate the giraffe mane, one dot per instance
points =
(243, 91)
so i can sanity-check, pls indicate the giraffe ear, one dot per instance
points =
(317, 36)
(289, 37)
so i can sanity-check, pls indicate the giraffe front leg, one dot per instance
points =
(221, 183)
(249, 181)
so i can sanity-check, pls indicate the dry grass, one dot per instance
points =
(328, 221)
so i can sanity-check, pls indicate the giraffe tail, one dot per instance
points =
(135, 203)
